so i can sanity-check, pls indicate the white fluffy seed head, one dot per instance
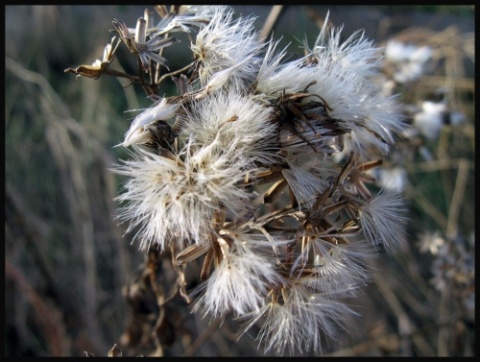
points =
(275, 76)
(178, 198)
(382, 219)
(222, 138)
(356, 53)
(339, 269)
(236, 123)
(224, 43)
(297, 323)
(241, 281)
(225, 134)
(346, 75)
(189, 16)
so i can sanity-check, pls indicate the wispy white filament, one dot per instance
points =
(241, 282)
(382, 219)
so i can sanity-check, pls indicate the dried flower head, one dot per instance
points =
(99, 66)
(224, 43)
(138, 44)
(261, 169)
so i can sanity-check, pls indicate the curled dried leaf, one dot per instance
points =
(99, 66)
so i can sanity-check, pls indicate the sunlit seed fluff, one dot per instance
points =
(224, 77)
(298, 322)
(276, 74)
(304, 176)
(225, 42)
(345, 76)
(339, 269)
(178, 198)
(240, 282)
(382, 219)
(236, 122)
(189, 16)
(360, 107)
(221, 139)
(376, 121)
(356, 52)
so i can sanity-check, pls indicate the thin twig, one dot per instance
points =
(364, 347)
(171, 74)
(203, 337)
(427, 206)
(443, 333)
(406, 325)
(47, 318)
(270, 22)
(437, 165)
(116, 73)
(459, 192)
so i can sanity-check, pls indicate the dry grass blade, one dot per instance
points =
(48, 319)
(457, 199)
(212, 328)
(270, 22)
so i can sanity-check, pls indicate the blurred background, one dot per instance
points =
(68, 262)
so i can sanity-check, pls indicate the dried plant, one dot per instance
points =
(259, 168)
(75, 286)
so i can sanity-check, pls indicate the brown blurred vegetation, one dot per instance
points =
(68, 266)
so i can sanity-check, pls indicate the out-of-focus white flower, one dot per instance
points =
(431, 242)
(457, 118)
(393, 178)
(431, 119)
(454, 271)
(409, 60)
